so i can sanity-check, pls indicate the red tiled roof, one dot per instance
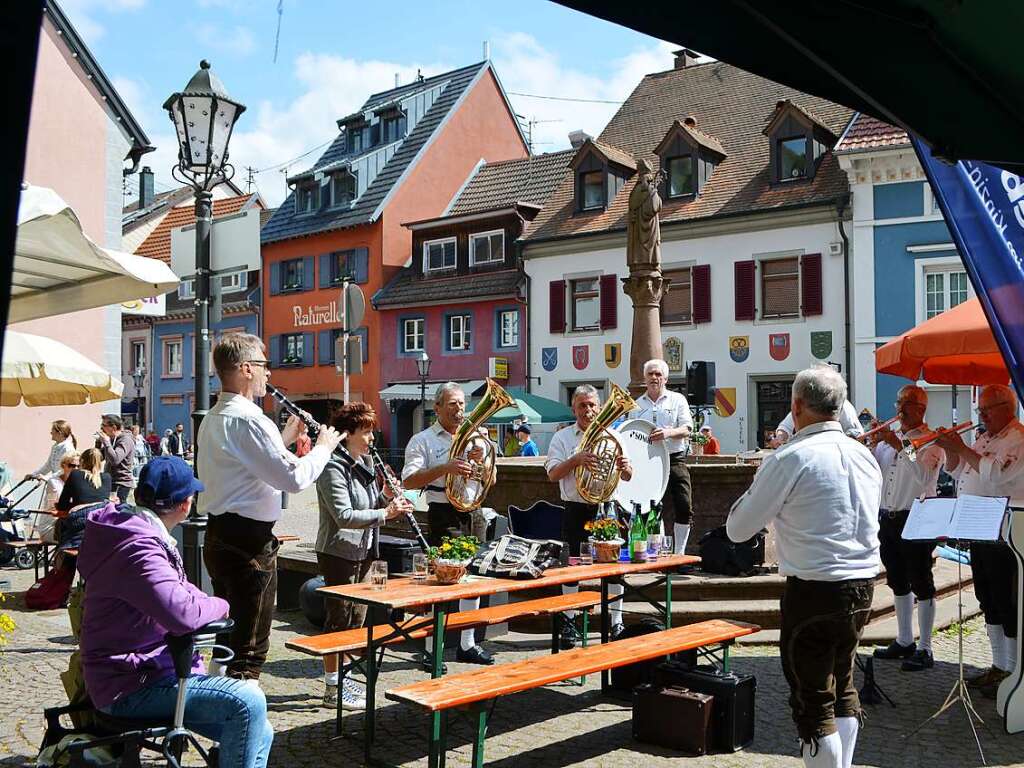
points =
(158, 244)
(612, 154)
(502, 184)
(869, 132)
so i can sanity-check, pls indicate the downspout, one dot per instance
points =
(524, 300)
(842, 204)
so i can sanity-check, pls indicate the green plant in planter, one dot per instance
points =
(456, 548)
(699, 439)
(604, 529)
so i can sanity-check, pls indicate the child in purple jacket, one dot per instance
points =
(136, 593)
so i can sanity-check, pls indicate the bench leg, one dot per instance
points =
(481, 735)
(668, 601)
(585, 638)
(370, 718)
(605, 677)
(436, 753)
(725, 657)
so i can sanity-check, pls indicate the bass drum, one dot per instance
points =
(650, 465)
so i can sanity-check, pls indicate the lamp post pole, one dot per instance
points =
(423, 368)
(204, 221)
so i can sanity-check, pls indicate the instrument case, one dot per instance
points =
(673, 717)
(733, 715)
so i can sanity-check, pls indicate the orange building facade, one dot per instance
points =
(344, 221)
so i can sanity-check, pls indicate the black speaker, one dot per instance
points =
(700, 383)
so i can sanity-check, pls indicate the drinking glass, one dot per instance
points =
(378, 575)
(420, 568)
(653, 545)
(666, 546)
(586, 553)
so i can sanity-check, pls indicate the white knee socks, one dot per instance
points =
(925, 622)
(828, 755)
(904, 618)
(615, 609)
(680, 532)
(848, 728)
(1009, 656)
(996, 640)
(468, 639)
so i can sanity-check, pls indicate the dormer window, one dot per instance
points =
(601, 172)
(680, 176)
(439, 255)
(792, 156)
(798, 142)
(356, 139)
(343, 188)
(394, 127)
(307, 197)
(592, 190)
(688, 158)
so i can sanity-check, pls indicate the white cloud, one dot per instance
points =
(237, 40)
(82, 14)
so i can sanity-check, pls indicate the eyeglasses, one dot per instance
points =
(73, 466)
(989, 408)
(264, 363)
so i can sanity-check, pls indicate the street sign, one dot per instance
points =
(497, 367)
(234, 244)
(354, 359)
(355, 305)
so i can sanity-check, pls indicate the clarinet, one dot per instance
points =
(313, 426)
(396, 492)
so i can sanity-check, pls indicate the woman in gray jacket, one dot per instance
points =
(352, 508)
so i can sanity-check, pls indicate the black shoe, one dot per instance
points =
(617, 630)
(426, 662)
(921, 660)
(475, 655)
(895, 651)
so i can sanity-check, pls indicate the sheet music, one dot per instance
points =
(929, 519)
(978, 518)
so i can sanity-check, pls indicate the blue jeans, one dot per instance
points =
(220, 708)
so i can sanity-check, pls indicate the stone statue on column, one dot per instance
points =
(645, 284)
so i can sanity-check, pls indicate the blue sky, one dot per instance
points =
(333, 53)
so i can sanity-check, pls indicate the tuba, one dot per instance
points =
(597, 485)
(466, 493)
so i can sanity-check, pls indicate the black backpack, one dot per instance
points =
(718, 554)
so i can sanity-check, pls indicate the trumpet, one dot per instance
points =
(893, 424)
(911, 445)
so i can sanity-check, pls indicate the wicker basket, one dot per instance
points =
(450, 571)
(607, 551)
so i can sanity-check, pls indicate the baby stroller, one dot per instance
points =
(124, 740)
(13, 529)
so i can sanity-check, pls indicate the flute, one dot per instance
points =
(396, 492)
(313, 426)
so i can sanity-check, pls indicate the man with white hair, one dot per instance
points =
(908, 564)
(993, 467)
(427, 465)
(847, 418)
(670, 414)
(821, 491)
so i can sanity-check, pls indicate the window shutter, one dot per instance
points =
(810, 269)
(744, 289)
(609, 301)
(275, 278)
(307, 346)
(360, 270)
(325, 270)
(701, 288)
(364, 334)
(325, 348)
(275, 351)
(556, 306)
(307, 273)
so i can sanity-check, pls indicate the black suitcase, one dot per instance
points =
(624, 679)
(733, 715)
(398, 553)
(673, 717)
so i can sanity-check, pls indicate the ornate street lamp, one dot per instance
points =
(423, 368)
(139, 380)
(203, 117)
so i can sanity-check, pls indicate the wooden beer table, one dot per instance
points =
(406, 593)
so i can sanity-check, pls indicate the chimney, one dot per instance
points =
(145, 187)
(487, 50)
(690, 121)
(684, 58)
(396, 79)
(578, 138)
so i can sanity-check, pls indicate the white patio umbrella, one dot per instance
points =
(40, 371)
(58, 269)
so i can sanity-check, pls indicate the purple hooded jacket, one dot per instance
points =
(136, 592)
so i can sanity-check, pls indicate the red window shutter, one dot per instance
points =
(810, 268)
(609, 301)
(745, 289)
(701, 281)
(556, 306)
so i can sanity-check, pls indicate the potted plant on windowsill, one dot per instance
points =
(698, 441)
(604, 533)
(452, 558)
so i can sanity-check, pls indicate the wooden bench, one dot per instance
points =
(35, 545)
(477, 688)
(350, 640)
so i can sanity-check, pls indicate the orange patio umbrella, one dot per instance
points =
(955, 347)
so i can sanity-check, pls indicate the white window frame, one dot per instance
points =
(300, 346)
(502, 342)
(419, 334)
(951, 262)
(136, 359)
(465, 332)
(313, 188)
(187, 289)
(676, 267)
(335, 202)
(237, 281)
(166, 343)
(486, 236)
(931, 205)
(760, 260)
(442, 242)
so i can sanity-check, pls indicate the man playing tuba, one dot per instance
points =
(427, 465)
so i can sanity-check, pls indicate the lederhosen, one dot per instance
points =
(908, 564)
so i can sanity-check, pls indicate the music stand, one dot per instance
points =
(871, 692)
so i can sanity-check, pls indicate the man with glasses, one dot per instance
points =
(908, 564)
(244, 465)
(118, 449)
(994, 466)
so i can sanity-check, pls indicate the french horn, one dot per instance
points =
(596, 485)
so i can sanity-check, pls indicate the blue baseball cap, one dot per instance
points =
(169, 480)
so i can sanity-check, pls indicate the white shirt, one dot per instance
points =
(822, 492)
(847, 418)
(426, 450)
(244, 463)
(50, 470)
(667, 412)
(564, 445)
(1001, 468)
(904, 480)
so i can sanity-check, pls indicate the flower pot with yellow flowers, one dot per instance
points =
(451, 559)
(605, 536)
